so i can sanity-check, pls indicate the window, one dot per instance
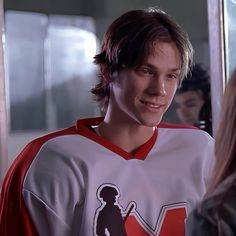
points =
(49, 69)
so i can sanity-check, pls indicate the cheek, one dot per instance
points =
(199, 105)
(194, 111)
(198, 108)
(179, 111)
(133, 90)
(184, 110)
(171, 91)
(124, 94)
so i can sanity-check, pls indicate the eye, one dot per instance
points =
(145, 71)
(173, 76)
(190, 105)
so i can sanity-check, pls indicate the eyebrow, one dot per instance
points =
(191, 100)
(154, 68)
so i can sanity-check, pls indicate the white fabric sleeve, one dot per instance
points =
(46, 220)
(209, 161)
(53, 189)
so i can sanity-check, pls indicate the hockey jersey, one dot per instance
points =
(74, 182)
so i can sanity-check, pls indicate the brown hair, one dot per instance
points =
(225, 144)
(129, 40)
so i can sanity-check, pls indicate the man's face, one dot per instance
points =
(188, 106)
(142, 95)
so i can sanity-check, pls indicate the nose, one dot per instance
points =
(158, 86)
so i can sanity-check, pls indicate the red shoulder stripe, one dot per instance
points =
(176, 126)
(14, 217)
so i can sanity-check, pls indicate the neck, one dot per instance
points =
(128, 136)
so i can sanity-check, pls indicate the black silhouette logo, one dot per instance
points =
(108, 219)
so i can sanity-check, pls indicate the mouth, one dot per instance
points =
(154, 107)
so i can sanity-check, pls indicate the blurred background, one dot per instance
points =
(49, 47)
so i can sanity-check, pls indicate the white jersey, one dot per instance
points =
(78, 183)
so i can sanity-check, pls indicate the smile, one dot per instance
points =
(152, 106)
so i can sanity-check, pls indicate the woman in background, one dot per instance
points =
(216, 215)
(193, 99)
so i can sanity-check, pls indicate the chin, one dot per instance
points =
(151, 123)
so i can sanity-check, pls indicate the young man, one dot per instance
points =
(125, 173)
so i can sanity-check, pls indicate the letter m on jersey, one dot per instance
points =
(171, 222)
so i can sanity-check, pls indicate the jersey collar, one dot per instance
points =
(83, 127)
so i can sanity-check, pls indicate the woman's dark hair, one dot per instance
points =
(129, 40)
(197, 79)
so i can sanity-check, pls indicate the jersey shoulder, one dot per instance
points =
(176, 126)
(185, 133)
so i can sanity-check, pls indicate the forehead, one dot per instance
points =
(164, 54)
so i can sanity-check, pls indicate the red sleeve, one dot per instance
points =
(14, 217)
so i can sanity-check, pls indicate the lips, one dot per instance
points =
(152, 105)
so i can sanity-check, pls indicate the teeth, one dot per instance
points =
(151, 105)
